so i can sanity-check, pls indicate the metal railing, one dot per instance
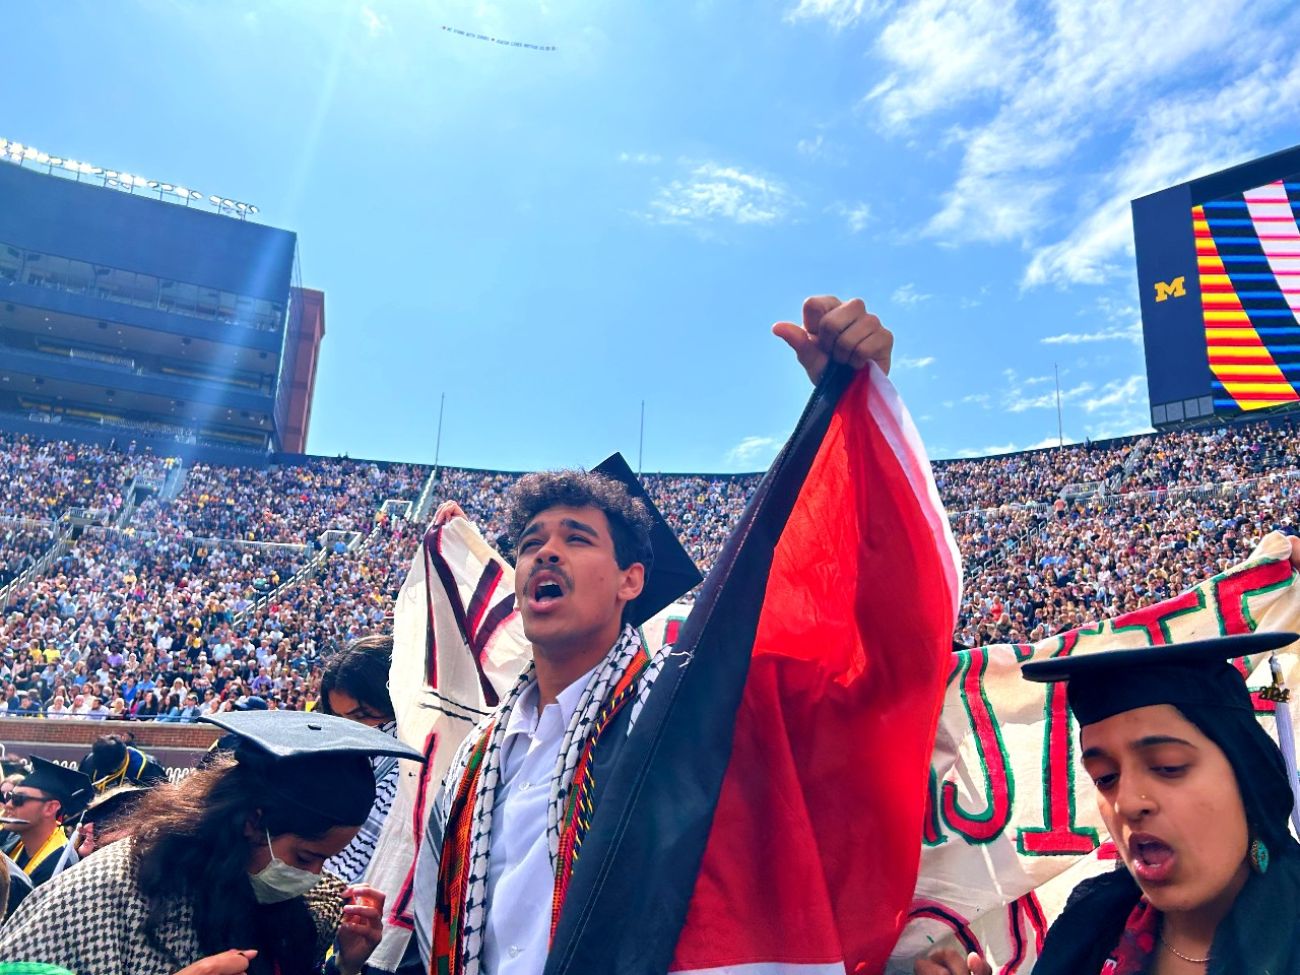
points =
(425, 501)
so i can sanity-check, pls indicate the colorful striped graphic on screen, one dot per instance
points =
(1248, 256)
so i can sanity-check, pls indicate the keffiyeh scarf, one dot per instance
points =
(350, 864)
(621, 680)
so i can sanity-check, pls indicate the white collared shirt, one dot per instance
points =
(520, 881)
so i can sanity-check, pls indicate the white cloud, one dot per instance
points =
(1118, 392)
(856, 215)
(839, 13)
(907, 295)
(1018, 400)
(978, 399)
(1063, 115)
(1053, 440)
(751, 449)
(918, 363)
(375, 24)
(1174, 139)
(712, 192)
(811, 147)
(640, 158)
(1133, 333)
(945, 52)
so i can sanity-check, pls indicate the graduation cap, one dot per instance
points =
(317, 763)
(303, 734)
(1194, 674)
(671, 572)
(113, 803)
(73, 789)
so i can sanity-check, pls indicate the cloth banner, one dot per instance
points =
(457, 644)
(1012, 823)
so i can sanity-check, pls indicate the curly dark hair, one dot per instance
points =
(188, 842)
(629, 518)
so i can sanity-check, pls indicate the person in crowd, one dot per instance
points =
(191, 711)
(1196, 797)
(112, 762)
(35, 810)
(222, 872)
(59, 709)
(147, 708)
(586, 575)
(354, 685)
(171, 714)
(95, 709)
(22, 706)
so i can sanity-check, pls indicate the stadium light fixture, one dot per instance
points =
(19, 154)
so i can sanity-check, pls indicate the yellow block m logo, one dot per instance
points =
(1171, 289)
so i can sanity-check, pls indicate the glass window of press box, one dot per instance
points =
(143, 290)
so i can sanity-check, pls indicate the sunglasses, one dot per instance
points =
(19, 799)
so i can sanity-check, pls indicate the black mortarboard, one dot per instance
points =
(671, 572)
(300, 734)
(317, 763)
(73, 789)
(1194, 674)
(113, 803)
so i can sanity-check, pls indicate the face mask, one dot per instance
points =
(278, 881)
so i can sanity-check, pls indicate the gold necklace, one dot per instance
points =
(1194, 961)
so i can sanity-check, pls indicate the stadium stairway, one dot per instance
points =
(60, 543)
(328, 539)
(421, 513)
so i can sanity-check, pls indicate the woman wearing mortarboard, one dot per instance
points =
(222, 873)
(1196, 798)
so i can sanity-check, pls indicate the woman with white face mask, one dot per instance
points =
(222, 873)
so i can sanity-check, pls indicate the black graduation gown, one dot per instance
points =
(1260, 935)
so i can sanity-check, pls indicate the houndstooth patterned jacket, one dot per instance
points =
(89, 920)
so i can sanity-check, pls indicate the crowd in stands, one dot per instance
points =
(150, 622)
(289, 503)
(20, 547)
(42, 479)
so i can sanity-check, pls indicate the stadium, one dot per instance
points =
(168, 551)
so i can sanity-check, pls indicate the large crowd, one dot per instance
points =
(227, 591)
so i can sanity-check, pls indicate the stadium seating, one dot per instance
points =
(235, 581)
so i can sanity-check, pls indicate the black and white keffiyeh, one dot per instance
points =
(351, 862)
(581, 726)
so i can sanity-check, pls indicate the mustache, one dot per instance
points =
(554, 570)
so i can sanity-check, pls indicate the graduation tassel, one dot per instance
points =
(1279, 694)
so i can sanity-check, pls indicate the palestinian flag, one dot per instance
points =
(766, 812)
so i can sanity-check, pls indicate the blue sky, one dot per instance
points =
(550, 238)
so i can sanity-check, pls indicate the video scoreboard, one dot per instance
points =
(1218, 262)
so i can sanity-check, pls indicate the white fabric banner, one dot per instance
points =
(1014, 824)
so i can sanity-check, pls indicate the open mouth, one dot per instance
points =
(1153, 859)
(546, 589)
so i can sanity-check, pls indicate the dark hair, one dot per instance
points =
(361, 670)
(629, 518)
(108, 752)
(188, 842)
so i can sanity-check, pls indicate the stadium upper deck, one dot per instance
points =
(130, 313)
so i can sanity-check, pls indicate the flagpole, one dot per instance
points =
(640, 449)
(1060, 426)
(437, 447)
